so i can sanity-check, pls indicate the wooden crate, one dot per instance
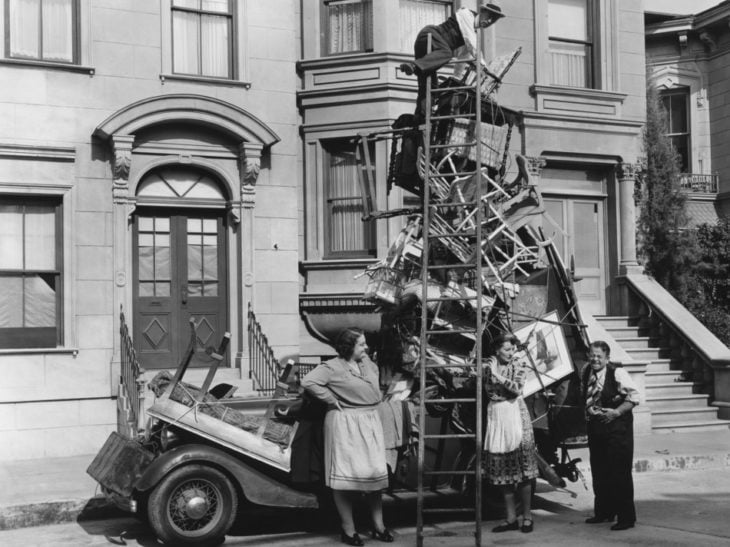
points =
(119, 464)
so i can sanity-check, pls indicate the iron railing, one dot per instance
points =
(700, 183)
(131, 384)
(263, 366)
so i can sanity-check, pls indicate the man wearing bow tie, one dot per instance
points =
(610, 396)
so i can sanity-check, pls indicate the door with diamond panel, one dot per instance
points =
(179, 272)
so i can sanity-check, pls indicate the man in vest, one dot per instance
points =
(455, 37)
(610, 396)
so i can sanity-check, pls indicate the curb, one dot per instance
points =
(56, 512)
(98, 508)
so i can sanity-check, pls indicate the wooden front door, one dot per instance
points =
(179, 272)
(583, 238)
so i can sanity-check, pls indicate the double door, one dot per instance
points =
(179, 273)
(581, 239)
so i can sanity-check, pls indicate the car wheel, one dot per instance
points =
(195, 504)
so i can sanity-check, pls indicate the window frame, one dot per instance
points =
(591, 59)
(684, 92)
(327, 146)
(20, 338)
(75, 37)
(324, 22)
(232, 42)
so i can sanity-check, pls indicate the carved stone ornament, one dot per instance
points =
(627, 171)
(535, 165)
(251, 169)
(122, 146)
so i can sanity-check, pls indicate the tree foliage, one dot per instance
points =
(692, 264)
(664, 246)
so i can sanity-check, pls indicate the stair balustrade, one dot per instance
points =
(130, 404)
(705, 359)
(263, 365)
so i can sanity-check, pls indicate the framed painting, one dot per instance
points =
(546, 353)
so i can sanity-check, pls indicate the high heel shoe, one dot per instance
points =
(386, 535)
(354, 539)
(506, 526)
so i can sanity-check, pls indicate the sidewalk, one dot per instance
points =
(53, 490)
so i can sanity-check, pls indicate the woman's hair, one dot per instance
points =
(346, 340)
(502, 338)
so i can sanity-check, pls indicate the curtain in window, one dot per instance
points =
(25, 23)
(214, 40)
(350, 26)
(11, 237)
(347, 231)
(569, 64)
(186, 41)
(58, 30)
(570, 42)
(416, 14)
(40, 238)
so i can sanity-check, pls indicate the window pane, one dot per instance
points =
(11, 237)
(195, 258)
(221, 6)
(146, 288)
(214, 37)
(211, 289)
(416, 14)
(192, 4)
(25, 28)
(210, 226)
(58, 30)
(569, 63)
(349, 26)
(162, 263)
(678, 114)
(162, 288)
(347, 231)
(681, 146)
(195, 225)
(146, 224)
(568, 19)
(11, 302)
(186, 42)
(40, 301)
(210, 262)
(40, 238)
(146, 262)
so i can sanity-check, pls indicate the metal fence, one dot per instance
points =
(130, 383)
(263, 366)
(702, 183)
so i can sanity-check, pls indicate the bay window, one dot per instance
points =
(30, 273)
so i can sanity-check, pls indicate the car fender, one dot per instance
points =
(257, 487)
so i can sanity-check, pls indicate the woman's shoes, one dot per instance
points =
(505, 527)
(354, 539)
(526, 528)
(386, 535)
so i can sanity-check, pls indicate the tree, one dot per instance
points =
(666, 248)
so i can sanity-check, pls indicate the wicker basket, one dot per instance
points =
(493, 141)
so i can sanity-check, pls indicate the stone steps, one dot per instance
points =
(674, 405)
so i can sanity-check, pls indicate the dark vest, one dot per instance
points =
(610, 395)
(450, 31)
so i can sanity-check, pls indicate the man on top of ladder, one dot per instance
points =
(455, 37)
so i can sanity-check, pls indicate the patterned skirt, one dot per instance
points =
(354, 450)
(520, 464)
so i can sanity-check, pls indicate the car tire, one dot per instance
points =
(193, 505)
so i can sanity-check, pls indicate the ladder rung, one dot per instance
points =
(451, 331)
(450, 436)
(451, 299)
(462, 472)
(454, 116)
(461, 145)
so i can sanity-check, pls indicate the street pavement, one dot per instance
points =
(675, 508)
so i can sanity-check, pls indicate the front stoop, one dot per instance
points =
(673, 400)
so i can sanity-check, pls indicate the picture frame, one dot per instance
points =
(546, 351)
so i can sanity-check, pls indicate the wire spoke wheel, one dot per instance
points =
(194, 504)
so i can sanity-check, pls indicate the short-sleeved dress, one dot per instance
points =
(520, 464)
(354, 447)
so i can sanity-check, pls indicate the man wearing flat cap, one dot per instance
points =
(455, 37)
